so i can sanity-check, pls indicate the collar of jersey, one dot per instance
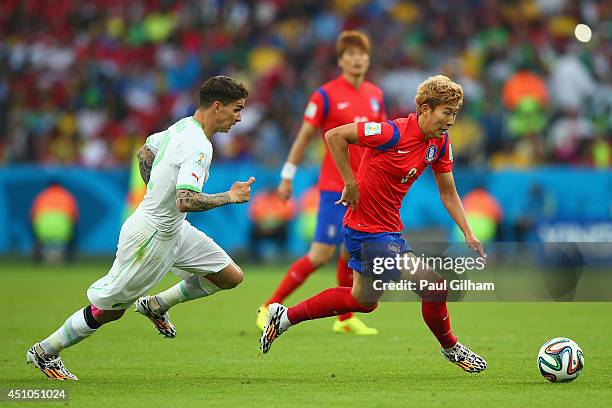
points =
(199, 126)
(347, 83)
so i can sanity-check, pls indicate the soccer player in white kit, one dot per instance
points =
(157, 238)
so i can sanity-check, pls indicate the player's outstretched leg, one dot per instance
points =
(330, 302)
(465, 358)
(51, 366)
(82, 324)
(149, 306)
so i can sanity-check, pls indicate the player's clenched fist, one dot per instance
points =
(241, 191)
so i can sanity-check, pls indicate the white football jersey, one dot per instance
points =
(182, 161)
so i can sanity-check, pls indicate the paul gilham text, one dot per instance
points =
(455, 284)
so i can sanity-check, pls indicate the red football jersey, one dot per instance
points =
(337, 103)
(396, 155)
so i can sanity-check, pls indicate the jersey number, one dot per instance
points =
(410, 174)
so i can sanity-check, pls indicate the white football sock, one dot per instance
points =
(71, 332)
(194, 287)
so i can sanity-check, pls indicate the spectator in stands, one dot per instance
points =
(483, 213)
(80, 80)
(54, 216)
(270, 218)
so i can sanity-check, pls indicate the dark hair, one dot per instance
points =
(223, 89)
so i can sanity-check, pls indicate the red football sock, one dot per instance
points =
(435, 314)
(330, 302)
(345, 278)
(295, 276)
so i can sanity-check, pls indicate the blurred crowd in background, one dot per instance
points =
(84, 82)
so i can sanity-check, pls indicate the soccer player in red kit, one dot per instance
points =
(397, 152)
(347, 99)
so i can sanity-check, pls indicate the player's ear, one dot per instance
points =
(424, 108)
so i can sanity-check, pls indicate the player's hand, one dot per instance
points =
(241, 191)
(285, 189)
(475, 244)
(350, 196)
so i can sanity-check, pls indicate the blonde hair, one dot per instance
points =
(438, 90)
(348, 39)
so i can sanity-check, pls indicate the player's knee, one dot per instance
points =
(232, 279)
(237, 278)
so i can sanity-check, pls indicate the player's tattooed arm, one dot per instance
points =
(145, 162)
(190, 201)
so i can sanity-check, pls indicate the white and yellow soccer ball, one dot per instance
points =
(560, 360)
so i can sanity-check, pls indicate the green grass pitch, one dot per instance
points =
(215, 360)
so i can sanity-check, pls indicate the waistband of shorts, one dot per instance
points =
(148, 229)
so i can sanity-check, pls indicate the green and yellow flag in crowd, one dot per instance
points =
(136, 191)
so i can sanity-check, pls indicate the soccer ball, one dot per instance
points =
(560, 360)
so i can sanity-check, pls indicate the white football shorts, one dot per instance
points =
(145, 255)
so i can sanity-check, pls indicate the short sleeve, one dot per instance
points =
(378, 135)
(444, 162)
(193, 171)
(193, 159)
(155, 140)
(317, 108)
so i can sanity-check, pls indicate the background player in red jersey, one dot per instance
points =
(346, 99)
(397, 153)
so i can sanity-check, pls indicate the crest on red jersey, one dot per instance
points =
(431, 153)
